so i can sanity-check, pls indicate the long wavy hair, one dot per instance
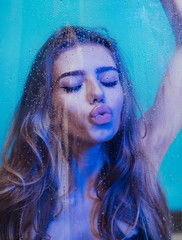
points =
(127, 187)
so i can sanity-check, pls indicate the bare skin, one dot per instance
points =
(82, 74)
(85, 78)
(164, 118)
(164, 121)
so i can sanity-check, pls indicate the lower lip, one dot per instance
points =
(101, 119)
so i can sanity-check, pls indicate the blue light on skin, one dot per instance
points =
(86, 76)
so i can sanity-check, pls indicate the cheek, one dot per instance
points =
(60, 108)
(68, 110)
(119, 103)
(117, 100)
(117, 106)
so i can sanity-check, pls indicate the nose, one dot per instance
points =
(95, 91)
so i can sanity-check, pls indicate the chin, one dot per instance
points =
(104, 137)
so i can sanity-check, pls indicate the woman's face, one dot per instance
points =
(87, 94)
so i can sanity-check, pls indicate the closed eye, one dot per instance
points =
(75, 89)
(110, 84)
(71, 89)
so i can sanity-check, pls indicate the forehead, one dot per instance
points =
(84, 56)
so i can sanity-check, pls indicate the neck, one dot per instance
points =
(89, 161)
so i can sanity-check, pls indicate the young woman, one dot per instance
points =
(77, 163)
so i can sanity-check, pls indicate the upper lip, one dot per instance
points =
(100, 109)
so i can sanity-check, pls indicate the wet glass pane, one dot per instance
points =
(146, 43)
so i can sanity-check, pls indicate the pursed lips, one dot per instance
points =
(101, 114)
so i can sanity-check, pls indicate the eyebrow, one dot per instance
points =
(82, 73)
(105, 69)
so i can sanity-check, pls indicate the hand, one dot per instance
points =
(173, 9)
(178, 6)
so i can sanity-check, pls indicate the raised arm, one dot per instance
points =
(164, 118)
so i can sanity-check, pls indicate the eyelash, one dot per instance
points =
(75, 89)
(110, 84)
(71, 89)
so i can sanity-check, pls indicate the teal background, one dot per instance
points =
(141, 29)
